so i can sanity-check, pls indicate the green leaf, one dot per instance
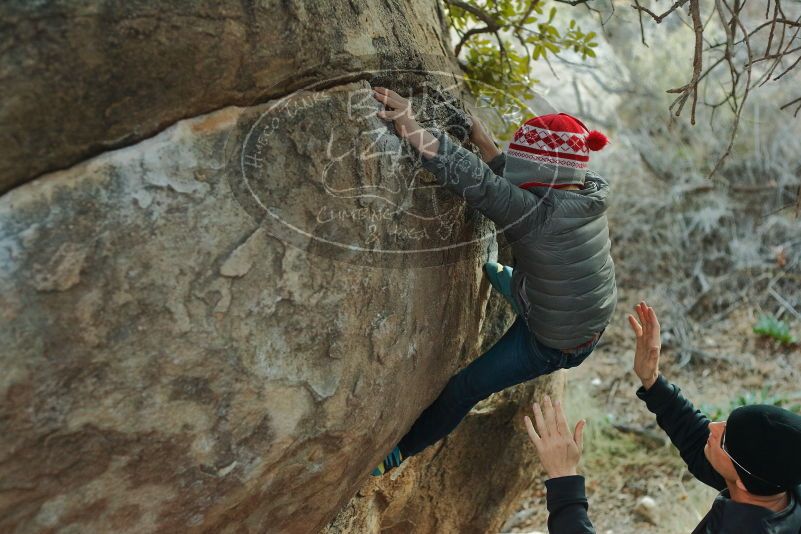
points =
(502, 82)
(552, 47)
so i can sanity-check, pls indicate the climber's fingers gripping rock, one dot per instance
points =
(399, 110)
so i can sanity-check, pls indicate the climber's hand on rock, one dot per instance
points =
(480, 137)
(478, 132)
(400, 112)
(559, 449)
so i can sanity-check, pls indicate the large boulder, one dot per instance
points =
(224, 326)
(169, 364)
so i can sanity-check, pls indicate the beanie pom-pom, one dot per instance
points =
(596, 140)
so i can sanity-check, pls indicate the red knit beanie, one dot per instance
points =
(551, 150)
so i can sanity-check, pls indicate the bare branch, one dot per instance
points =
(639, 14)
(783, 32)
(736, 22)
(659, 18)
(691, 89)
(790, 103)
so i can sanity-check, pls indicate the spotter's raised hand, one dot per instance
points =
(649, 344)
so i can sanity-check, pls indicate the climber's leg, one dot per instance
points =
(512, 360)
(500, 277)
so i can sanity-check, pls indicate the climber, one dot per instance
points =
(552, 212)
(752, 457)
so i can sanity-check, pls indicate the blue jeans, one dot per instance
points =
(516, 357)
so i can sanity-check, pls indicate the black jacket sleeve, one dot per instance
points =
(567, 506)
(686, 427)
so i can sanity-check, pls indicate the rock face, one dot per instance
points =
(471, 480)
(168, 363)
(468, 483)
(79, 78)
(224, 327)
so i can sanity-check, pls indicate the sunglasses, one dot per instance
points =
(749, 473)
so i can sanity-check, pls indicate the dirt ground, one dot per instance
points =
(625, 455)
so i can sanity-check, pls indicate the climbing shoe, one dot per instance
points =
(500, 278)
(394, 459)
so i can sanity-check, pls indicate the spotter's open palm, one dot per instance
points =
(559, 449)
(649, 344)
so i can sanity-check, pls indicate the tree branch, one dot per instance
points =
(492, 25)
(691, 89)
(659, 18)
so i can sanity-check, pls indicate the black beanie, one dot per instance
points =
(765, 440)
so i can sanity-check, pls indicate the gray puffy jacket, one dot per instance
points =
(564, 277)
